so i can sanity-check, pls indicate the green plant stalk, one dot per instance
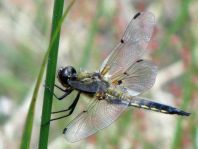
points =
(91, 35)
(51, 69)
(27, 131)
(26, 136)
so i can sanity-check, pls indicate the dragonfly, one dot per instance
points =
(116, 86)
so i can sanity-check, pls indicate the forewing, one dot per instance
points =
(98, 116)
(131, 46)
(138, 78)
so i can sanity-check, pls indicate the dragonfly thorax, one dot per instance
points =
(65, 74)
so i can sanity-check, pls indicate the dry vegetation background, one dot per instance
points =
(89, 33)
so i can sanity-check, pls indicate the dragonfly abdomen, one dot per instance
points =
(157, 107)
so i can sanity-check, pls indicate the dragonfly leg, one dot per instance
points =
(60, 88)
(67, 92)
(71, 108)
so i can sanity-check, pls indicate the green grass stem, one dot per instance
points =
(55, 34)
(50, 76)
(51, 69)
(27, 131)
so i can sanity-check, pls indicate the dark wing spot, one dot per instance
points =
(64, 131)
(136, 15)
(119, 82)
(126, 73)
(140, 60)
(122, 41)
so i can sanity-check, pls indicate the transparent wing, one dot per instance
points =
(138, 78)
(98, 116)
(131, 46)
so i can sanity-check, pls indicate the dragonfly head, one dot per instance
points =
(65, 74)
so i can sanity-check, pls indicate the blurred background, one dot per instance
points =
(88, 34)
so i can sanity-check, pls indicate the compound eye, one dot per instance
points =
(71, 72)
(65, 74)
(62, 76)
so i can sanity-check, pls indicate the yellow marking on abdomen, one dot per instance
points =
(163, 111)
(154, 109)
(145, 107)
(135, 104)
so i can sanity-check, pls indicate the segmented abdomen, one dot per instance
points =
(154, 106)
